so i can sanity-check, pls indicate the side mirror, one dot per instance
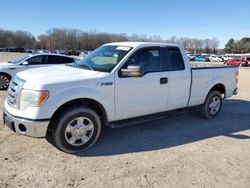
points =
(132, 71)
(25, 63)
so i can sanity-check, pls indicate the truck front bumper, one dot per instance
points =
(33, 128)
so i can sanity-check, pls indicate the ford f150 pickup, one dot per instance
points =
(117, 84)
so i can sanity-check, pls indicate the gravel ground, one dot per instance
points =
(183, 151)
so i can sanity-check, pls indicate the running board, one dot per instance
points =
(146, 119)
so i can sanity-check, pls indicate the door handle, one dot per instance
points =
(164, 80)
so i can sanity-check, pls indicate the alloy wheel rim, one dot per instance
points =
(4, 82)
(214, 105)
(79, 131)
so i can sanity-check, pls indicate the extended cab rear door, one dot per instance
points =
(137, 96)
(179, 77)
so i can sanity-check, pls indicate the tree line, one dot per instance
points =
(22, 39)
(73, 39)
(239, 46)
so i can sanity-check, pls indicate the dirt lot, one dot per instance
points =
(184, 151)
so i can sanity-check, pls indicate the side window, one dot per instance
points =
(149, 60)
(67, 60)
(37, 60)
(52, 59)
(174, 60)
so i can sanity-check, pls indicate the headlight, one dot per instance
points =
(32, 98)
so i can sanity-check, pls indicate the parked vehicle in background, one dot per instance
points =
(225, 57)
(9, 69)
(231, 56)
(118, 84)
(244, 61)
(41, 51)
(247, 60)
(15, 49)
(72, 53)
(201, 58)
(29, 51)
(222, 58)
(215, 58)
(191, 57)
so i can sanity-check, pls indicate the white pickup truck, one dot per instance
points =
(117, 84)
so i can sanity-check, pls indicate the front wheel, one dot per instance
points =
(212, 105)
(76, 130)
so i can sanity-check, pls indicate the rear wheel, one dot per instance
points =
(212, 105)
(76, 130)
(4, 81)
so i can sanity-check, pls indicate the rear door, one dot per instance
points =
(58, 60)
(53, 60)
(137, 96)
(67, 60)
(179, 78)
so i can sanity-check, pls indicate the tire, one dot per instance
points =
(4, 81)
(212, 105)
(76, 129)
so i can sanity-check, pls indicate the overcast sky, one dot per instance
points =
(222, 19)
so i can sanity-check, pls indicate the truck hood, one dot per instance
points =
(54, 75)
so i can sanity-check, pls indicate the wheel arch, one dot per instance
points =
(87, 102)
(218, 87)
(7, 74)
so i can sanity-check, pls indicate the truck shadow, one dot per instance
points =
(176, 131)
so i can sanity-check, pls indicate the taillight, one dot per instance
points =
(237, 76)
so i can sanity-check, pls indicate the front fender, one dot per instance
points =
(104, 97)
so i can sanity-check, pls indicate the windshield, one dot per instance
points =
(104, 58)
(19, 60)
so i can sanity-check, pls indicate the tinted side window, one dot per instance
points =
(52, 59)
(149, 60)
(37, 60)
(174, 60)
(67, 60)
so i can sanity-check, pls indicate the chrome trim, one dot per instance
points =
(34, 128)
(14, 91)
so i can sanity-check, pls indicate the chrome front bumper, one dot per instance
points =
(33, 128)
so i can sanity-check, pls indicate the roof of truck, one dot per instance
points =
(143, 44)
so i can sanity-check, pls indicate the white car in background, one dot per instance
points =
(215, 58)
(9, 69)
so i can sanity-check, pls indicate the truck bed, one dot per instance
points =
(208, 65)
(206, 75)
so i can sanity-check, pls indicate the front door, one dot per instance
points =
(137, 96)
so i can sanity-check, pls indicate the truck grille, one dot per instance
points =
(15, 87)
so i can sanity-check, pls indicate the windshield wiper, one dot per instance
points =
(85, 65)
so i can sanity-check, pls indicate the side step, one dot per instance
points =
(146, 119)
